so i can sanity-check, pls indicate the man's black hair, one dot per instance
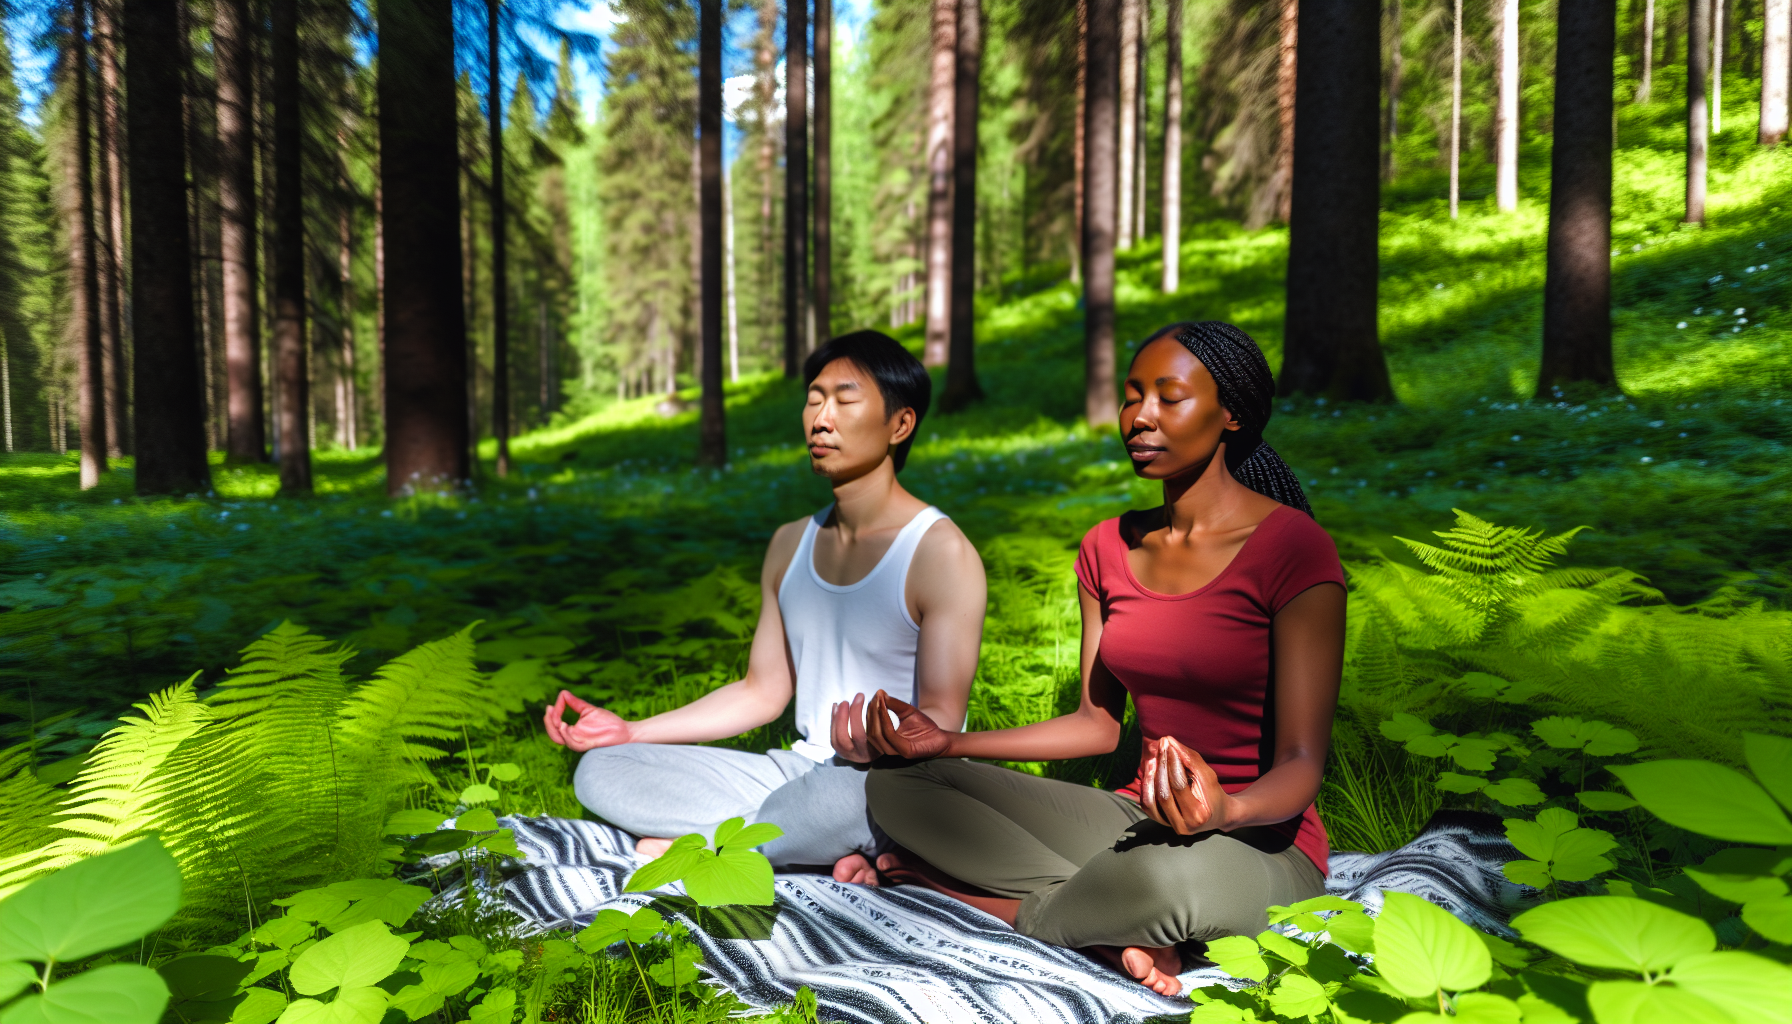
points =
(901, 378)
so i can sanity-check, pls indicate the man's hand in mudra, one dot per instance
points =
(1181, 790)
(915, 736)
(595, 727)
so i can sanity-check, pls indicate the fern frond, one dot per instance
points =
(431, 693)
(27, 806)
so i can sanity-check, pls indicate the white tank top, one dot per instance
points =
(849, 640)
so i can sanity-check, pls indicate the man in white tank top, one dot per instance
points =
(878, 591)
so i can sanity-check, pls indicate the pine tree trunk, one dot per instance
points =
(1577, 287)
(425, 330)
(796, 184)
(1140, 169)
(1506, 115)
(1396, 63)
(170, 416)
(110, 220)
(349, 401)
(732, 293)
(500, 242)
(84, 266)
(1717, 66)
(935, 350)
(1076, 159)
(1287, 62)
(765, 59)
(1455, 109)
(1101, 167)
(1172, 186)
(232, 51)
(1646, 87)
(1698, 136)
(961, 367)
(712, 436)
(294, 398)
(824, 170)
(1129, 121)
(1330, 344)
(1774, 50)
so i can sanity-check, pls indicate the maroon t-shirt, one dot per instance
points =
(1198, 664)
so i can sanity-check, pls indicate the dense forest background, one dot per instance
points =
(602, 289)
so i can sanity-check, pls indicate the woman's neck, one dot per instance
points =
(1208, 498)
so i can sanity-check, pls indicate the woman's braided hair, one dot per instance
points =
(1247, 391)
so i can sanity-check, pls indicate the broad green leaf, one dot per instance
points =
(113, 994)
(1771, 918)
(1516, 792)
(1420, 948)
(1504, 953)
(394, 905)
(1707, 798)
(1602, 739)
(498, 1007)
(1476, 755)
(679, 969)
(204, 977)
(478, 793)
(1559, 731)
(313, 905)
(258, 1006)
(1352, 929)
(1238, 956)
(1537, 1010)
(1425, 1017)
(1297, 995)
(676, 863)
(1323, 903)
(364, 1005)
(1451, 782)
(92, 905)
(1215, 1011)
(1618, 932)
(445, 840)
(1748, 987)
(413, 822)
(1605, 800)
(1481, 685)
(1486, 1008)
(1526, 872)
(736, 876)
(468, 944)
(1403, 727)
(353, 958)
(479, 819)
(15, 977)
(1738, 888)
(605, 930)
(1632, 1002)
(1280, 945)
(283, 932)
(450, 978)
(1770, 758)
(726, 830)
(755, 835)
(418, 1001)
(506, 772)
(1521, 692)
(1430, 745)
(1568, 853)
(501, 842)
(644, 924)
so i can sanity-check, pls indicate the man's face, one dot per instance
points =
(845, 426)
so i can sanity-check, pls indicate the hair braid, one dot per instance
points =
(1247, 390)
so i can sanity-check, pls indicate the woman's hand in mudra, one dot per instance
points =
(1181, 790)
(596, 727)
(914, 736)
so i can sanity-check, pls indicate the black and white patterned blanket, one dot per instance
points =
(909, 955)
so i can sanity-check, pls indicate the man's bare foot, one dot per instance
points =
(1155, 967)
(652, 849)
(854, 869)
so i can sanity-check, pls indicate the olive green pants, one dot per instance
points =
(1087, 865)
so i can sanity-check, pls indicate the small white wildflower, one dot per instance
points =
(1683, 325)
(1739, 311)
(1645, 459)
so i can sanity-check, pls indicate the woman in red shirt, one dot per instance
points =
(1222, 613)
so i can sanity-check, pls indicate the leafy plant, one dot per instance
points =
(730, 872)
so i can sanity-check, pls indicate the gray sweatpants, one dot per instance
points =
(666, 791)
(1089, 868)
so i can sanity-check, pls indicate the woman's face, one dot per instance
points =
(1171, 420)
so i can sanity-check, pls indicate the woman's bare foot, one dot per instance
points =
(652, 849)
(1155, 967)
(912, 870)
(854, 869)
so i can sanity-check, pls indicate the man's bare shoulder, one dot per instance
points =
(782, 548)
(944, 546)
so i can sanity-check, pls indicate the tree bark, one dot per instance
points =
(170, 427)
(500, 243)
(1646, 87)
(824, 169)
(1396, 63)
(1287, 63)
(348, 402)
(1129, 120)
(935, 350)
(1577, 287)
(1774, 50)
(110, 220)
(1717, 66)
(1101, 117)
(731, 292)
(1140, 168)
(1698, 135)
(1455, 108)
(796, 184)
(1506, 115)
(232, 50)
(1172, 186)
(961, 367)
(1330, 345)
(294, 397)
(84, 260)
(425, 329)
(712, 443)
(1076, 159)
